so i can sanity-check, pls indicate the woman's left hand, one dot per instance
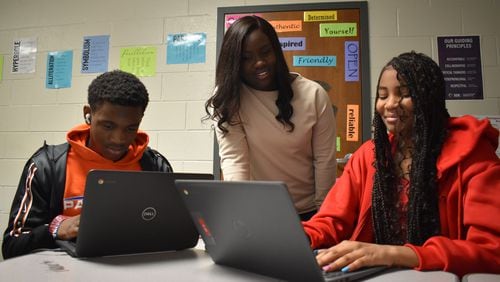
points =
(352, 255)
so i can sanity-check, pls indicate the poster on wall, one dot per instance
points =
(140, 61)
(186, 48)
(95, 54)
(24, 55)
(460, 61)
(59, 69)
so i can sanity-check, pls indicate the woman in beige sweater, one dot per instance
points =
(271, 124)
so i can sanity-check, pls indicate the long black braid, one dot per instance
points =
(427, 89)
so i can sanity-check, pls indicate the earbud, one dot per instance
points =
(87, 119)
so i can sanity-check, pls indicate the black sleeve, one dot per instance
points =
(29, 216)
(152, 160)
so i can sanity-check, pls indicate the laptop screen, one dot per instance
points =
(132, 212)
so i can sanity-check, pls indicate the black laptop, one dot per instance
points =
(127, 212)
(254, 226)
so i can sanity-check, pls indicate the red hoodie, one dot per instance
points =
(81, 159)
(469, 203)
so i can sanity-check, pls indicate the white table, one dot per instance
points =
(481, 277)
(188, 265)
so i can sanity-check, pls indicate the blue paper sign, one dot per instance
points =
(59, 69)
(186, 48)
(292, 43)
(95, 54)
(351, 64)
(314, 61)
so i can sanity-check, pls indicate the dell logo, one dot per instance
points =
(148, 213)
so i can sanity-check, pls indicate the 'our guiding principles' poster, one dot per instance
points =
(460, 61)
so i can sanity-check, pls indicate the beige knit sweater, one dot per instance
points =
(261, 148)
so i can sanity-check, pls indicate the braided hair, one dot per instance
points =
(426, 86)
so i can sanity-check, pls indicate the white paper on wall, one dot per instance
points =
(24, 55)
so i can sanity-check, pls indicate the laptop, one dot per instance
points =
(126, 212)
(254, 226)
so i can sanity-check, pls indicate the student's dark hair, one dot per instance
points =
(118, 88)
(426, 86)
(226, 100)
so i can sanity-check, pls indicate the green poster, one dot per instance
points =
(140, 61)
(338, 30)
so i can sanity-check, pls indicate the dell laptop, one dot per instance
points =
(127, 212)
(254, 226)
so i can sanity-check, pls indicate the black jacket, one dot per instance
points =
(42, 183)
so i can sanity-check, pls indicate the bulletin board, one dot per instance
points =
(327, 43)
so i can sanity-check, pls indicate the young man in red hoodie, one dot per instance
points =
(424, 193)
(49, 197)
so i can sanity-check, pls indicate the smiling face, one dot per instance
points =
(113, 128)
(258, 62)
(394, 103)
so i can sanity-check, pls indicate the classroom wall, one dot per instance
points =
(30, 113)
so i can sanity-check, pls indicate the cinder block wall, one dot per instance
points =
(30, 113)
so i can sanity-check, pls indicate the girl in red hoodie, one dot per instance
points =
(424, 193)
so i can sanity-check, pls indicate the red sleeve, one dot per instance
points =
(346, 207)
(478, 248)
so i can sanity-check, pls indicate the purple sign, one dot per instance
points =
(293, 43)
(351, 64)
(460, 61)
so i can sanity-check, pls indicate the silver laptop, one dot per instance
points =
(127, 212)
(254, 226)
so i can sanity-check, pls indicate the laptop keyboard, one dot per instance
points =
(362, 273)
(333, 275)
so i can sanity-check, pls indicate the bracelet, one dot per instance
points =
(55, 224)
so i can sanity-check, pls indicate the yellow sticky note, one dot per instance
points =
(140, 61)
(320, 16)
(352, 126)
